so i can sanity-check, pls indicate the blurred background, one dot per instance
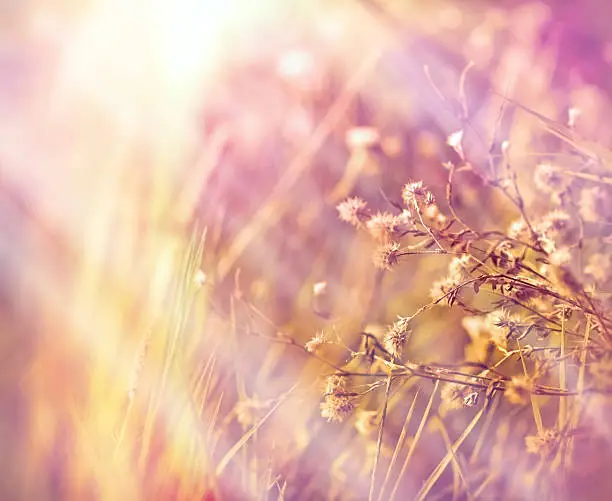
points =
(169, 175)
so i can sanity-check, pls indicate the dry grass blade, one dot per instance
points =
(588, 148)
(415, 441)
(246, 437)
(537, 415)
(437, 473)
(380, 438)
(459, 475)
(399, 444)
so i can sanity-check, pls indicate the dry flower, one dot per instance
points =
(387, 256)
(383, 226)
(353, 211)
(396, 336)
(337, 403)
(501, 326)
(413, 192)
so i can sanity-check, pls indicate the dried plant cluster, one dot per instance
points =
(306, 250)
(533, 299)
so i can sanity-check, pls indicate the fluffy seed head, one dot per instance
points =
(383, 226)
(387, 256)
(353, 211)
(396, 337)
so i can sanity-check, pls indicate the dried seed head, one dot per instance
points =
(545, 443)
(337, 403)
(353, 211)
(550, 179)
(414, 192)
(336, 407)
(335, 384)
(396, 337)
(518, 390)
(383, 226)
(387, 256)
(501, 326)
